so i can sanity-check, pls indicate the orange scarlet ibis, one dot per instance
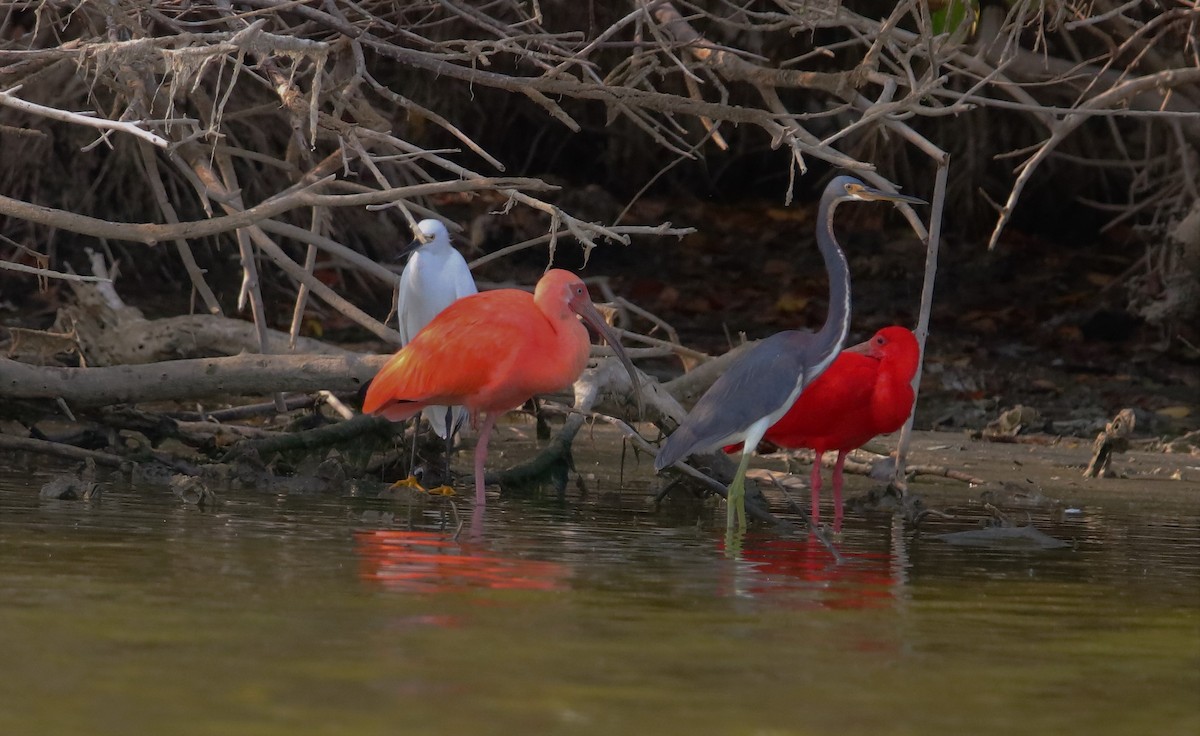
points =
(758, 388)
(866, 392)
(491, 352)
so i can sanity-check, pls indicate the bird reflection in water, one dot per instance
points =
(845, 580)
(431, 562)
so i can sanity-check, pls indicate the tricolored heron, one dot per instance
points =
(865, 392)
(762, 384)
(491, 352)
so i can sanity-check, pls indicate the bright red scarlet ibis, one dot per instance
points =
(867, 391)
(491, 352)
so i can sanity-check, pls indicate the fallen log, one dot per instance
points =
(179, 380)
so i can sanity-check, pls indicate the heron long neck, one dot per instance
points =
(837, 321)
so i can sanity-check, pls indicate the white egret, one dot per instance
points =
(436, 275)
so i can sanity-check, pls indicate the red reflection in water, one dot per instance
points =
(859, 580)
(427, 562)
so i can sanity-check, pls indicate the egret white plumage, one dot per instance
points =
(436, 275)
(762, 384)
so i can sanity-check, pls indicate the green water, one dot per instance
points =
(322, 615)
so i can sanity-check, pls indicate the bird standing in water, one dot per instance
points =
(490, 353)
(759, 387)
(435, 276)
(866, 392)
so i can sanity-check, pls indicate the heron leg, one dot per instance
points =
(446, 488)
(814, 483)
(837, 490)
(735, 497)
(411, 481)
(481, 446)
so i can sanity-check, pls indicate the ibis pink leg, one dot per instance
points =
(837, 490)
(481, 445)
(815, 483)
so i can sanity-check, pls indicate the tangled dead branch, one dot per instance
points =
(274, 85)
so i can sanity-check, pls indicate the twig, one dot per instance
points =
(48, 273)
(944, 472)
(45, 447)
(150, 162)
(1116, 95)
(926, 309)
(151, 233)
(245, 411)
(79, 118)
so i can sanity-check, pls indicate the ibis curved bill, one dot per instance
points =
(759, 387)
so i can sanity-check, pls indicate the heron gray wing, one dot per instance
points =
(761, 383)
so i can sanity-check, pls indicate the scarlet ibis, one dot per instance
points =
(435, 276)
(867, 391)
(491, 352)
(759, 387)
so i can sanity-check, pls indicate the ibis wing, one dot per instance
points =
(760, 383)
(452, 357)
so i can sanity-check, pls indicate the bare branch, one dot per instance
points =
(8, 99)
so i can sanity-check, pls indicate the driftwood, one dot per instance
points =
(59, 449)
(111, 333)
(1114, 439)
(134, 341)
(180, 380)
(316, 438)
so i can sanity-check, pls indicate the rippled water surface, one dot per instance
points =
(136, 614)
